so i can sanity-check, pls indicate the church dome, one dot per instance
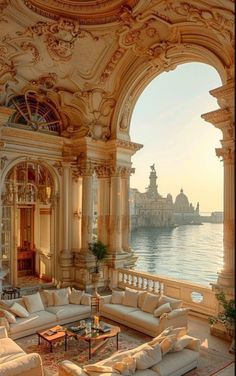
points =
(181, 202)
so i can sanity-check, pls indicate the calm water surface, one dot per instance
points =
(192, 253)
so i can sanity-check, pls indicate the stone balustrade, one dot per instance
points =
(200, 299)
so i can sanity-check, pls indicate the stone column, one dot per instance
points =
(66, 255)
(115, 239)
(126, 209)
(87, 208)
(103, 204)
(224, 120)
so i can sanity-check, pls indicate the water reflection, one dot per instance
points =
(191, 253)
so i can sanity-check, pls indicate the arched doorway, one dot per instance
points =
(28, 223)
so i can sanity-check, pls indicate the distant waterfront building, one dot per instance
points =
(150, 209)
(184, 212)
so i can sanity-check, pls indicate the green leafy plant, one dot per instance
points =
(227, 315)
(100, 251)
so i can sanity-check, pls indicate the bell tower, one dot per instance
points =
(152, 188)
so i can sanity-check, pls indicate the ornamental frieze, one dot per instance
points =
(211, 18)
(59, 37)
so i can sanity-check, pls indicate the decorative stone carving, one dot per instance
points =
(114, 60)
(59, 37)
(3, 160)
(124, 122)
(226, 153)
(59, 167)
(213, 18)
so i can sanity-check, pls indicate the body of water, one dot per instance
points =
(190, 252)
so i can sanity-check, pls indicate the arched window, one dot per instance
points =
(34, 113)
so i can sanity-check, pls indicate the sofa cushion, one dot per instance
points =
(93, 369)
(49, 294)
(19, 310)
(182, 342)
(167, 344)
(118, 310)
(164, 308)
(150, 303)
(141, 297)
(8, 315)
(61, 297)
(145, 372)
(117, 297)
(68, 310)
(130, 298)
(175, 361)
(143, 320)
(75, 296)
(126, 366)
(174, 303)
(33, 303)
(148, 356)
(86, 299)
(33, 321)
(178, 332)
(9, 350)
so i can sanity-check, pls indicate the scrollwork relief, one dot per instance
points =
(212, 18)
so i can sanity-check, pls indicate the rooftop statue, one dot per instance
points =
(153, 167)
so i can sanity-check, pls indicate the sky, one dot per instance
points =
(167, 121)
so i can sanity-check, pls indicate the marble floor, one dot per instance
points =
(200, 328)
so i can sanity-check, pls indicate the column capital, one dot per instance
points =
(226, 152)
(121, 171)
(85, 168)
(224, 94)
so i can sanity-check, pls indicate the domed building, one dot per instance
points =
(184, 212)
(150, 209)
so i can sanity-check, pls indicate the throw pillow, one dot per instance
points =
(117, 297)
(150, 303)
(49, 297)
(126, 367)
(75, 296)
(181, 343)
(61, 297)
(179, 332)
(167, 344)
(86, 299)
(174, 303)
(8, 315)
(19, 310)
(130, 298)
(164, 308)
(141, 297)
(33, 303)
(96, 370)
(148, 356)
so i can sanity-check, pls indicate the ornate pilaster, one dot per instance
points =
(103, 174)
(66, 255)
(125, 181)
(87, 205)
(115, 236)
(223, 119)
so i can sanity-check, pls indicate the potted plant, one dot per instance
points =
(100, 251)
(226, 316)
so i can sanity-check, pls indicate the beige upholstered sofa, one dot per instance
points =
(14, 361)
(26, 315)
(172, 353)
(143, 311)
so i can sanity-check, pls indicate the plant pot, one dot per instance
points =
(95, 280)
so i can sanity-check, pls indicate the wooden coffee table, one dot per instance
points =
(60, 333)
(98, 338)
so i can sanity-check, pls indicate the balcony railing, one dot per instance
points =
(200, 299)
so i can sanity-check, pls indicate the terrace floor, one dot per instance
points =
(200, 328)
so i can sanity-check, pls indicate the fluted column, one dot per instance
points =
(224, 120)
(103, 204)
(66, 255)
(87, 208)
(115, 239)
(126, 209)
(76, 212)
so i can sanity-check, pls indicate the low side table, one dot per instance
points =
(60, 333)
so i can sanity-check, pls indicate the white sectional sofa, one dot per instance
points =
(143, 311)
(14, 361)
(172, 353)
(31, 313)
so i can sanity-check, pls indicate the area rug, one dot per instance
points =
(210, 360)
